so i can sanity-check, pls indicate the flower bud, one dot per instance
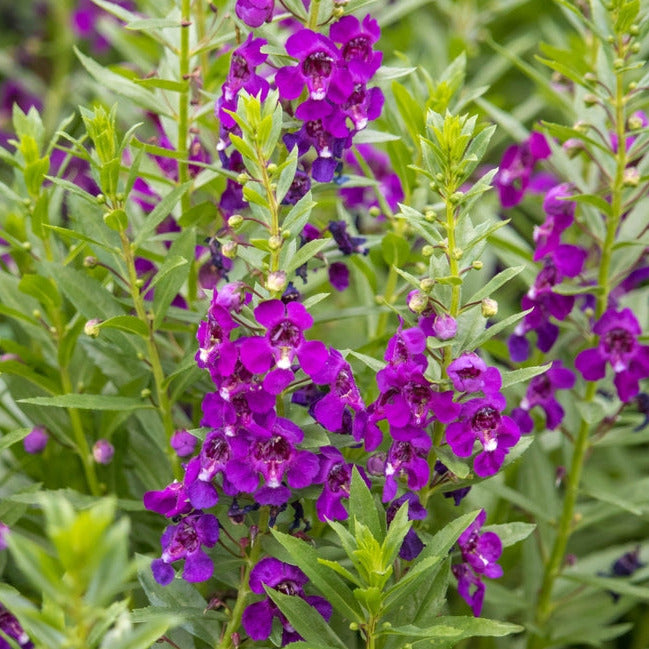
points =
(591, 100)
(477, 265)
(4, 532)
(183, 443)
(275, 242)
(91, 328)
(374, 211)
(235, 221)
(276, 281)
(36, 440)
(272, 168)
(417, 302)
(635, 122)
(243, 178)
(631, 177)
(444, 327)
(489, 307)
(229, 249)
(426, 284)
(428, 250)
(90, 262)
(103, 451)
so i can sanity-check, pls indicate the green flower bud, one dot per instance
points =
(374, 211)
(91, 328)
(477, 265)
(276, 281)
(235, 221)
(631, 177)
(229, 249)
(426, 284)
(489, 307)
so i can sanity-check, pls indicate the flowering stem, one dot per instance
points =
(554, 565)
(244, 589)
(164, 403)
(183, 104)
(275, 238)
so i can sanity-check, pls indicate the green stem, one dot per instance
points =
(183, 104)
(314, 10)
(244, 590)
(201, 37)
(454, 271)
(555, 562)
(163, 401)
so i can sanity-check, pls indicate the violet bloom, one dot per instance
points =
(339, 275)
(171, 501)
(515, 171)
(185, 541)
(255, 12)
(273, 456)
(284, 341)
(343, 392)
(441, 326)
(481, 420)
(469, 373)
(407, 345)
(540, 392)
(345, 242)
(319, 66)
(215, 350)
(335, 475)
(479, 553)
(257, 618)
(36, 440)
(412, 545)
(409, 458)
(4, 533)
(389, 184)
(618, 345)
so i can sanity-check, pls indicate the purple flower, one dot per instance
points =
(10, 626)
(85, 19)
(540, 392)
(36, 440)
(4, 532)
(480, 420)
(183, 443)
(257, 618)
(618, 345)
(409, 458)
(412, 545)
(185, 541)
(516, 168)
(272, 454)
(171, 501)
(335, 475)
(390, 187)
(255, 12)
(356, 43)
(346, 243)
(319, 66)
(103, 451)
(469, 373)
(339, 275)
(479, 554)
(215, 350)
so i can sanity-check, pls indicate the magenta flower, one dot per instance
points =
(171, 501)
(257, 618)
(183, 443)
(481, 420)
(103, 451)
(215, 350)
(560, 214)
(185, 541)
(356, 44)
(618, 345)
(408, 458)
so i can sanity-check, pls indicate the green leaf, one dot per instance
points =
(495, 283)
(487, 334)
(14, 436)
(160, 212)
(305, 619)
(511, 533)
(446, 538)
(41, 288)
(363, 507)
(286, 176)
(327, 582)
(126, 323)
(395, 249)
(522, 375)
(16, 368)
(296, 219)
(615, 584)
(89, 402)
(456, 627)
(306, 252)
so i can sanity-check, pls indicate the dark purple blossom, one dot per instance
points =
(408, 458)
(618, 345)
(171, 501)
(481, 420)
(186, 541)
(540, 392)
(183, 443)
(345, 242)
(441, 326)
(560, 213)
(356, 44)
(215, 349)
(10, 626)
(412, 545)
(257, 618)
(339, 275)
(516, 167)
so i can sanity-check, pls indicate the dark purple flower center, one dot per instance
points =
(470, 372)
(217, 450)
(541, 387)
(344, 384)
(618, 342)
(239, 68)
(403, 452)
(418, 397)
(185, 541)
(357, 48)
(486, 418)
(338, 478)
(317, 65)
(358, 96)
(548, 277)
(285, 334)
(288, 587)
(273, 451)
